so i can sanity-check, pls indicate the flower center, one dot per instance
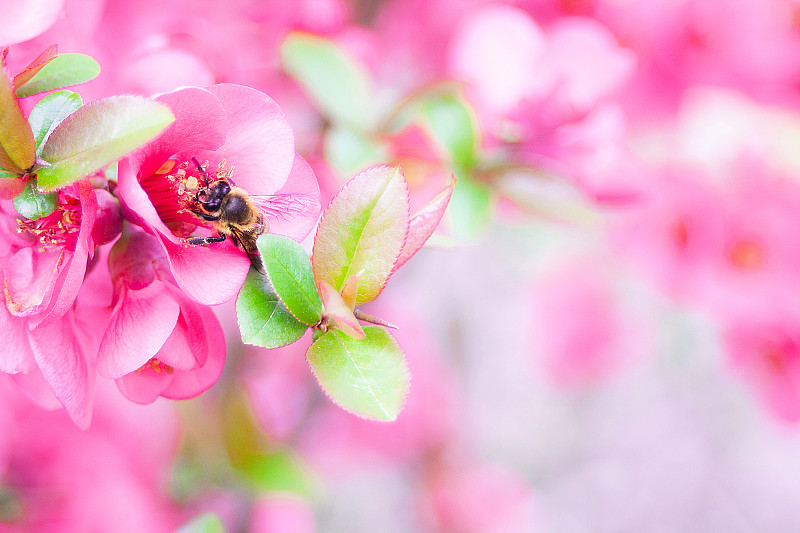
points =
(58, 229)
(156, 366)
(746, 255)
(173, 189)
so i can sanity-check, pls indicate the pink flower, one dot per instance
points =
(551, 103)
(120, 464)
(733, 250)
(242, 134)
(43, 265)
(766, 354)
(477, 499)
(26, 19)
(581, 331)
(158, 342)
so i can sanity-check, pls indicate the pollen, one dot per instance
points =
(58, 229)
(156, 366)
(173, 190)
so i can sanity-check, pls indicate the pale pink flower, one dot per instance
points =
(43, 265)
(158, 342)
(235, 129)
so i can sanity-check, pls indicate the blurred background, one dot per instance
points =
(603, 334)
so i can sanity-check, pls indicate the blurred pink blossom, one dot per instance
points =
(477, 499)
(580, 329)
(766, 354)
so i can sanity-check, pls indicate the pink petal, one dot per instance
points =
(496, 49)
(260, 142)
(585, 61)
(71, 275)
(209, 274)
(293, 210)
(194, 382)
(29, 278)
(177, 349)
(199, 125)
(15, 353)
(144, 387)
(423, 223)
(140, 324)
(63, 363)
(165, 70)
(136, 205)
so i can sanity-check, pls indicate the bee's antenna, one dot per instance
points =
(201, 169)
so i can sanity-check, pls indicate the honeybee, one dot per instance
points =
(233, 214)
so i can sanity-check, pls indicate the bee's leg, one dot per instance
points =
(204, 216)
(205, 241)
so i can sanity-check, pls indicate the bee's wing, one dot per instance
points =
(292, 215)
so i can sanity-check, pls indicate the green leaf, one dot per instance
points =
(205, 523)
(454, 125)
(367, 377)
(17, 147)
(33, 204)
(339, 85)
(11, 185)
(62, 71)
(289, 271)
(36, 65)
(98, 134)
(363, 231)
(50, 112)
(263, 319)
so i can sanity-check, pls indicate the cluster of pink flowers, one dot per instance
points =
(137, 312)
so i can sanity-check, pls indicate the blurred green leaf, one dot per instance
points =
(339, 85)
(363, 231)
(455, 126)
(279, 471)
(63, 70)
(289, 271)
(263, 319)
(98, 134)
(33, 204)
(367, 377)
(50, 112)
(350, 151)
(205, 523)
(17, 147)
(470, 209)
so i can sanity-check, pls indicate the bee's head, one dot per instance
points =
(210, 197)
